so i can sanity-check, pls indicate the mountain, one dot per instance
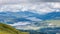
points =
(49, 30)
(52, 15)
(12, 17)
(30, 21)
(6, 29)
(27, 16)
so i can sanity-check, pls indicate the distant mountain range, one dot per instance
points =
(10, 17)
(35, 20)
(14, 17)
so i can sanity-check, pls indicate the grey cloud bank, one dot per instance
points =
(25, 1)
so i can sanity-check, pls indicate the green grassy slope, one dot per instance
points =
(6, 29)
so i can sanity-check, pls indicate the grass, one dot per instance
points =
(6, 29)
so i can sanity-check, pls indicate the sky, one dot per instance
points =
(38, 6)
(19, 1)
(25, 1)
(43, 7)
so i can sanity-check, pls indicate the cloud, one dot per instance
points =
(34, 19)
(25, 1)
(19, 23)
(55, 5)
(3, 2)
(50, 0)
(12, 8)
(41, 8)
(25, 26)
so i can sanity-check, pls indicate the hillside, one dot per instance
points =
(6, 29)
